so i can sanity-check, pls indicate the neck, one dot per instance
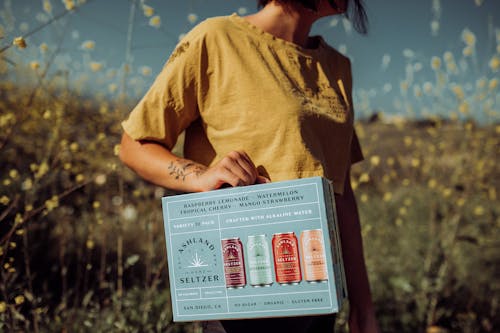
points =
(291, 23)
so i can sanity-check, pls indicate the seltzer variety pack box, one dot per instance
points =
(267, 250)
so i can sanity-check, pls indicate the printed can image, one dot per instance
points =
(259, 261)
(234, 263)
(312, 249)
(286, 258)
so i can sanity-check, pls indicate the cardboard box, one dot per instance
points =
(224, 263)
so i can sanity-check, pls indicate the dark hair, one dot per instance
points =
(355, 10)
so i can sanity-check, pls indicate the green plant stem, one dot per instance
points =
(128, 48)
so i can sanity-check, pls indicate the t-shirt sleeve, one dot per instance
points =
(356, 152)
(170, 104)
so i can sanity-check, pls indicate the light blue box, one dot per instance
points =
(196, 223)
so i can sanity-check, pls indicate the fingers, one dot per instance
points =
(262, 180)
(235, 169)
(238, 169)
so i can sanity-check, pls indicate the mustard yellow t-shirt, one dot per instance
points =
(232, 86)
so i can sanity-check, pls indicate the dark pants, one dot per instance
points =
(308, 324)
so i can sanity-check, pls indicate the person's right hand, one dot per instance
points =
(235, 169)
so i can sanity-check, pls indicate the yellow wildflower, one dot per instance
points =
(493, 84)
(432, 183)
(52, 203)
(417, 91)
(69, 4)
(155, 21)
(42, 170)
(4, 200)
(34, 65)
(495, 63)
(20, 232)
(19, 299)
(467, 51)
(88, 45)
(479, 210)
(415, 162)
(375, 160)
(364, 197)
(403, 211)
(20, 42)
(448, 56)
(447, 192)
(18, 219)
(28, 208)
(96, 204)
(387, 196)
(3, 307)
(460, 202)
(468, 37)
(463, 108)
(47, 6)
(100, 179)
(452, 67)
(13, 173)
(427, 87)
(27, 184)
(80, 178)
(364, 178)
(458, 91)
(192, 18)
(116, 150)
(148, 10)
(408, 141)
(403, 86)
(90, 244)
(146, 70)
(390, 161)
(435, 63)
(12, 245)
(73, 147)
(95, 66)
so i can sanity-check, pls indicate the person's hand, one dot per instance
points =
(235, 169)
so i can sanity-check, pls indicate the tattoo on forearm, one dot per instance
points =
(180, 169)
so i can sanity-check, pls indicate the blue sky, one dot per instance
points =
(400, 34)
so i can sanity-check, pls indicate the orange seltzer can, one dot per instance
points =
(286, 258)
(313, 256)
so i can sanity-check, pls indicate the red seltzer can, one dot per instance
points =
(286, 258)
(234, 263)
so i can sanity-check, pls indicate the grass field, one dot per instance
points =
(82, 246)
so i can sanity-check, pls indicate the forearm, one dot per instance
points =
(362, 316)
(159, 166)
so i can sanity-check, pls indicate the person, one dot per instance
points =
(259, 100)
